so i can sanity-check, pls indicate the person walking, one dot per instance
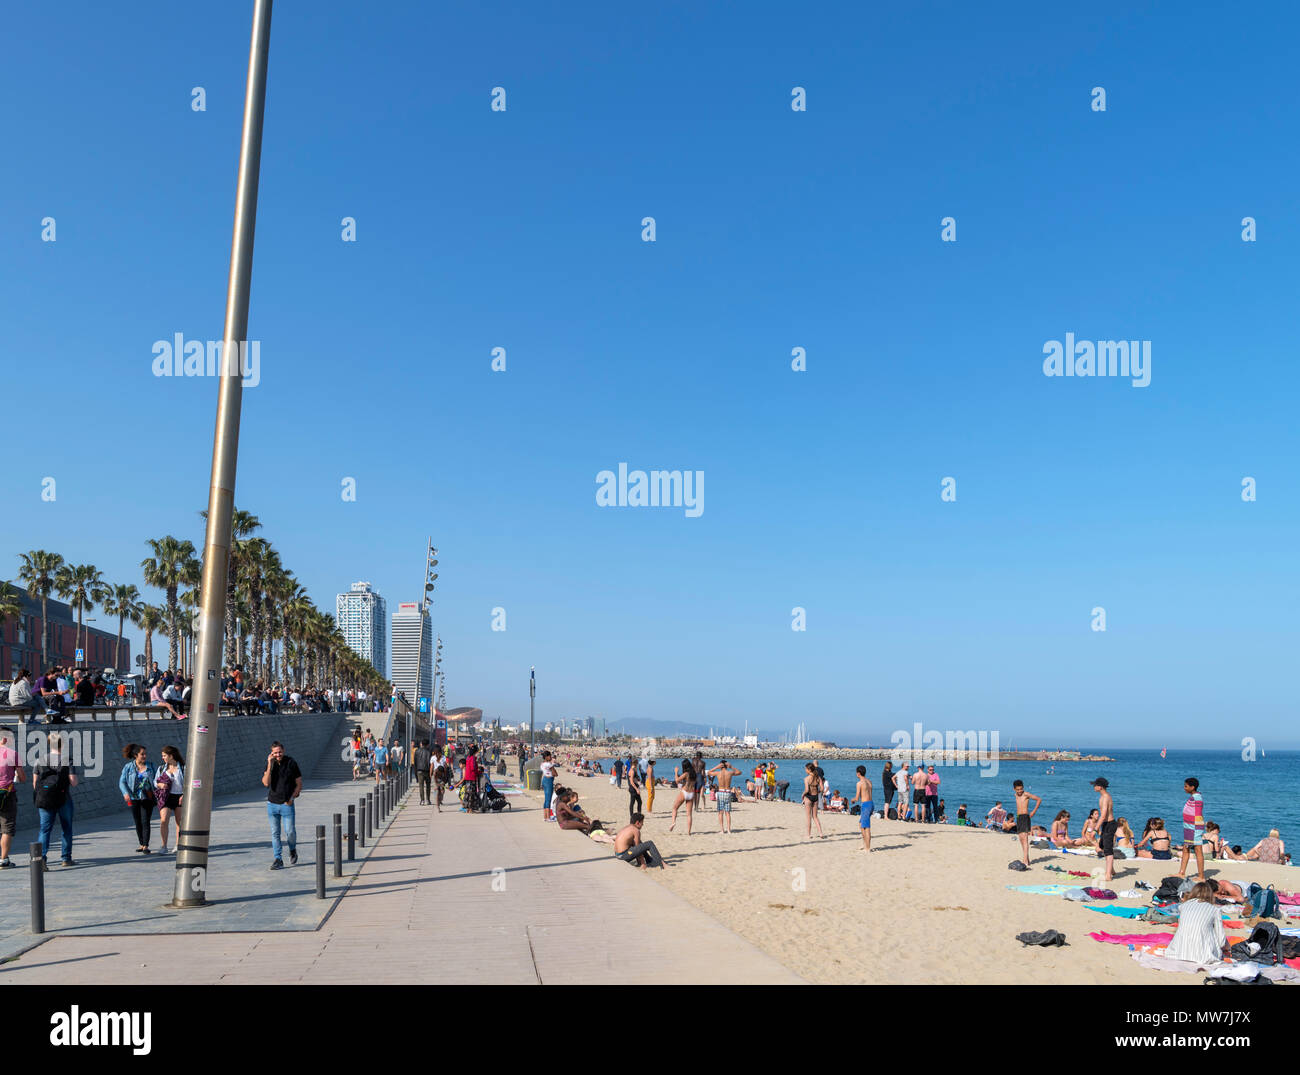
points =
(52, 786)
(633, 790)
(548, 785)
(283, 781)
(136, 786)
(169, 788)
(424, 771)
(649, 785)
(812, 785)
(11, 775)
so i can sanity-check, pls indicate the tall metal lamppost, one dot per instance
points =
(430, 577)
(189, 889)
(532, 710)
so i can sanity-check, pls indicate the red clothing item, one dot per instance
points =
(471, 768)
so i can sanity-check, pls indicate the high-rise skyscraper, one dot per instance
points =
(363, 618)
(408, 621)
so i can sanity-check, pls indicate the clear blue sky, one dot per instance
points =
(775, 230)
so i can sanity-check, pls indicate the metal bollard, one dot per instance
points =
(352, 833)
(361, 823)
(370, 813)
(38, 889)
(320, 862)
(338, 845)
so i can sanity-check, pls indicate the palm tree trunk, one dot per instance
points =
(173, 629)
(117, 648)
(45, 635)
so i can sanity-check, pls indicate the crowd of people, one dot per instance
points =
(52, 694)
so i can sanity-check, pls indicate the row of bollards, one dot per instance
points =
(361, 824)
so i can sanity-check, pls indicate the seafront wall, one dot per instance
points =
(242, 746)
(732, 752)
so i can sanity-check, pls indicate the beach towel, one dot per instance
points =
(1079, 895)
(1039, 890)
(1120, 912)
(1151, 940)
(1243, 972)
(1287, 897)
(1091, 852)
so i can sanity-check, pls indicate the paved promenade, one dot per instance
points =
(443, 898)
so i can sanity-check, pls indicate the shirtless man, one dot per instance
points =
(724, 772)
(919, 781)
(863, 795)
(629, 848)
(1106, 825)
(1023, 816)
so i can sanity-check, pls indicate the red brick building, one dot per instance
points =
(20, 639)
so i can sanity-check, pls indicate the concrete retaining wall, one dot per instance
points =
(242, 746)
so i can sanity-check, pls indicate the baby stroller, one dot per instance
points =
(493, 801)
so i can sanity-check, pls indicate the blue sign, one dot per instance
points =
(424, 705)
(440, 724)
(81, 656)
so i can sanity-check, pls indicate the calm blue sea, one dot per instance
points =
(1245, 798)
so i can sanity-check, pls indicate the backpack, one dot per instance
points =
(1261, 902)
(1266, 935)
(856, 808)
(893, 814)
(50, 787)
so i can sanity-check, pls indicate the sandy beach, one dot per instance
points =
(929, 905)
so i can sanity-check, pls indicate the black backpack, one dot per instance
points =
(50, 787)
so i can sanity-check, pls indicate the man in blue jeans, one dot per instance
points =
(283, 781)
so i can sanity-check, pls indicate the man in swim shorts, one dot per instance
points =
(629, 848)
(724, 772)
(1023, 816)
(862, 795)
(1108, 825)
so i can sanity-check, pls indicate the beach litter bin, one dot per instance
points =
(534, 779)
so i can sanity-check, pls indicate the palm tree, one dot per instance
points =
(83, 586)
(39, 570)
(124, 603)
(190, 604)
(152, 619)
(242, 523)
(171, 566)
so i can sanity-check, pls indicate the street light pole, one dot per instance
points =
(196, 811)
(532, 709)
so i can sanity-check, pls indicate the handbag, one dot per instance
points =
(162, 787)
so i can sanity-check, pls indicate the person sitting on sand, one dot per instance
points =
(570, 815)
(837, 802)
(1271, 849)
(1061, 830)
(1217, 845)
(1088, 838)
(961, 815)
(629, 847)
(1124, 840)
(995, 817)
(1160, 841)
(942, 812)
(1199, 937)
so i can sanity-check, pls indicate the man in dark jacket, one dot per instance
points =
(424, 771)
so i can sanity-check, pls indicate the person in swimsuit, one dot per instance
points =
(1107, 825)
(919, 782)
(1155, 832)
(1218, 846)
(1088, 838)
(650, 786)
(629, 847)
(1061, 830)
(1124, 840)
(862, 795)
(1023, 816)
(1193, 828)
(724, 772)
(812, 787)
(687, 795)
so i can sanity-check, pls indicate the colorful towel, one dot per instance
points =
(1100, 893)
(1155, 940)
(1039, 890)
(1120, 912)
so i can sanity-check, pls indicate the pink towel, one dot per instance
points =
(1282, 897)
(1156, 940)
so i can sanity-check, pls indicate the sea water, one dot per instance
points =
(1246, 798)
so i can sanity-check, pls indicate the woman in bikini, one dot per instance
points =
(1217, 845)
(1124, 840)
(1160, 841)
(686, 795)
(1090, 826)
(1061, 830)
(812, 787)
